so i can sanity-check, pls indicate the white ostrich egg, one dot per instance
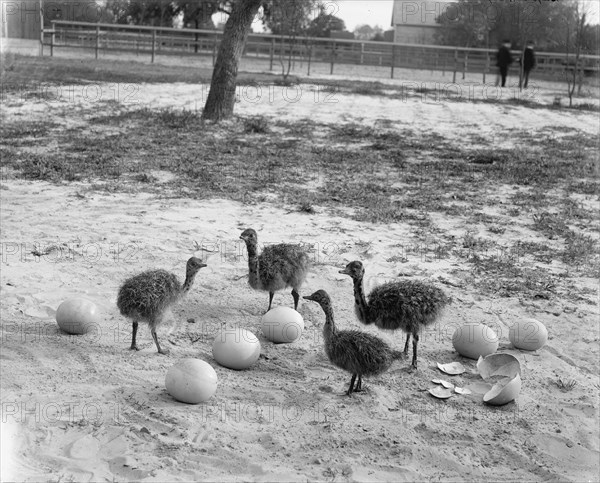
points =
(473, 340)
(191, 381)
(77, 316)
(282, 325)
(528, 334)
(236, 348)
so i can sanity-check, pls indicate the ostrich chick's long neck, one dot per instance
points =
(252, 265)
(187, 285)
(362, 309)
(329, 329)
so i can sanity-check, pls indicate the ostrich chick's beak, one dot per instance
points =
(344, 272)
(202, 265)
(307, 297)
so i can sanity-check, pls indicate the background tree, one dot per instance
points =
(366, 32)
(576, 29)
(481, 23)
(324, 23)
(198, 14)
(144, 12)
(288, 19)
(221, 97)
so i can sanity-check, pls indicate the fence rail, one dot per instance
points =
(153, 41)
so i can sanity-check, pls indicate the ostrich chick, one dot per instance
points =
(148, 296)
(406, 304)
(357, 352)
(276, 268)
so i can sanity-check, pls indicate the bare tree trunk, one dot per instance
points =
(221, 97)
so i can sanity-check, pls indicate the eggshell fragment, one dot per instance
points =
(528, 334)
(452, 368)
(462, 390)
(473, 340)
(503, 391)
(440, 392)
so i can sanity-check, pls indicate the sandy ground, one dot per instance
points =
(86, 408)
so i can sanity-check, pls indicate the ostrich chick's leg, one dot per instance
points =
(155, 337)
(133, 334)
(153, 325)
(351, 387)
(270, 300)
(415, 342)
(406, 343)
(296, 296)
(358, 387)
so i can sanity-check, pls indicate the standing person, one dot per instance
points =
(528, 62)
(503, 60)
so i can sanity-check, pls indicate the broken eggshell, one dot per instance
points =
(452, 368)
(498, 365)
(462, 390)
(509, 369)
(503, 391)
(440, 392)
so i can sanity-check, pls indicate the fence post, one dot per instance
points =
(97, 40)
(455, 65)
(393, 59)
(362, 53)
(214, 53)
(486, 69)
(309, 46)
(271, 54)
(52, 38)
(41, 13)
(332, 57)
(465, 62)
(153, 46)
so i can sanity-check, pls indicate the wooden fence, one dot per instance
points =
(153, 41)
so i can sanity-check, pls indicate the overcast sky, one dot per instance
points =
(356, 12)
(379, 12)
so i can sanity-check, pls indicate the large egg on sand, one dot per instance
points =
(474, 340)
(528, 334)
(236, 348)
(191, 381)
(77, 316)
(282, 325)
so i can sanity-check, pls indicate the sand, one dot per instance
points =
(86, 408)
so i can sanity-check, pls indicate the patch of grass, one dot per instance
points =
(306, 207)
(503, 276)
(587, 106)
(565, 385)
(178, 118)
(46, 168)
(256, 125)
(580, 249)
(550, 224)
(24, 133)
(145, 178)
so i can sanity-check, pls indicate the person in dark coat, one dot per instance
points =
(528, 62)
(503, 60)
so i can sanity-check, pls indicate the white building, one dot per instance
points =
(414, 21)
